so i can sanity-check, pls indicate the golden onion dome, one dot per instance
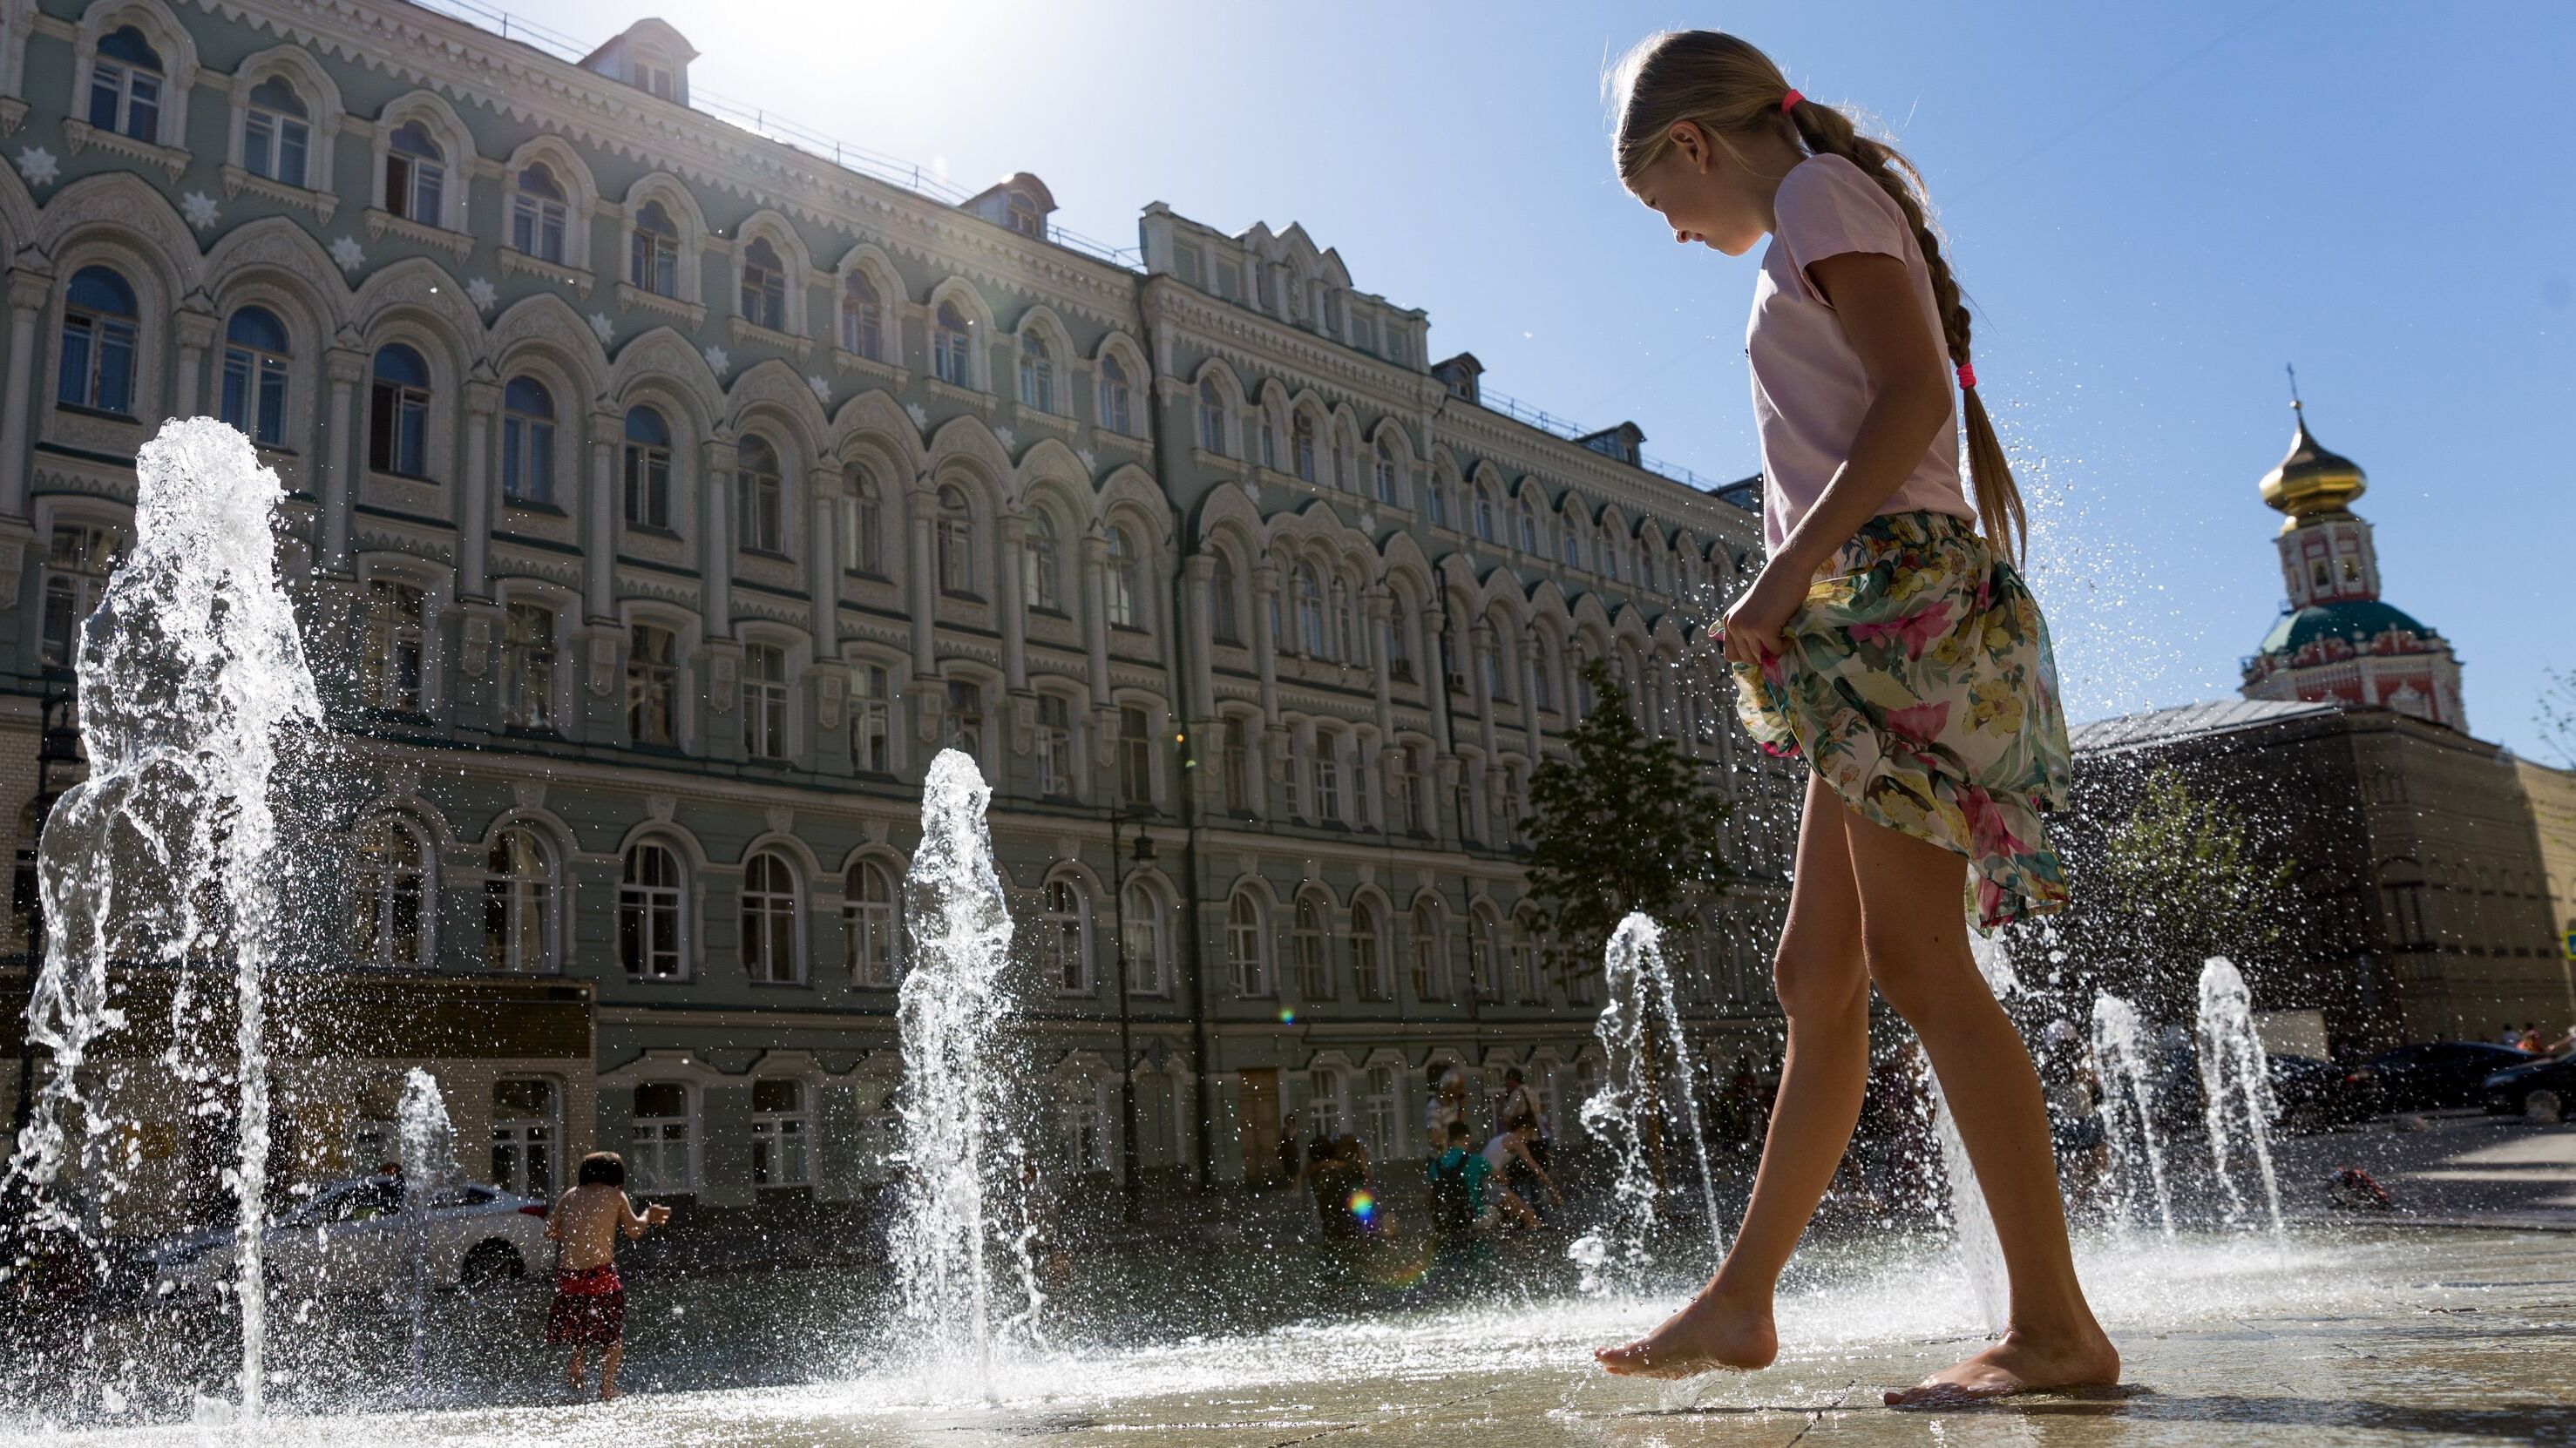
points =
(2312, 480)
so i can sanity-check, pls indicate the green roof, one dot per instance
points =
(2356, 621)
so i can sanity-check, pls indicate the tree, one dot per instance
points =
(1623, 823)
(2173, 884)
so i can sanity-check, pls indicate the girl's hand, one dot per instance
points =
(1752, 628)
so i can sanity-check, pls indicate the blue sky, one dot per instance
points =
(2155, 207)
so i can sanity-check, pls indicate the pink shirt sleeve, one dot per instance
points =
(1830, 208)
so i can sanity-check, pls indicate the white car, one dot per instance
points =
(354, 1236)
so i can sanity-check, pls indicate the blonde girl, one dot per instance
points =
(1889, 642)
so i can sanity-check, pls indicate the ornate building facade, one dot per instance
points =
(2336, 641)
(665, 496)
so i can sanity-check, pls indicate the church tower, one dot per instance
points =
(2336, 641)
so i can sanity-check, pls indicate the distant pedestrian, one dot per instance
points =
(1286, 1152)
(1509, 1150)
(2506, 1035)
(589, 1309)
(1448, 1104)
(1456, 1196)
(2531, 1040)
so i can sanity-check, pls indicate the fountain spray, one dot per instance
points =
(428, 1143)
(190, 673)
(1639, 987)
(2235, 1085)
(2128, 1105)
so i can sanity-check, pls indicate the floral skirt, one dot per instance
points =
(1917, 682)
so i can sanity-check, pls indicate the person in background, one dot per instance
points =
(1508, 1151)
(1456, 1195)
(1519, 1101)
(1289, 1161)
(2506, 1035)
(2531, 1040)
(589, 1309)
(1448, 1104)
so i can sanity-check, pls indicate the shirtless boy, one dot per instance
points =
(590, 1305)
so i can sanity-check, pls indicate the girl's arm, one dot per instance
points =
(1873, 297)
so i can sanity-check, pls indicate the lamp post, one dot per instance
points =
(1128, 1185)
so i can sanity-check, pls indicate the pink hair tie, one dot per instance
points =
(1791, 99)
(1967, 376)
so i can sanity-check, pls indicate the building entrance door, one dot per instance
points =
(1256, 1121)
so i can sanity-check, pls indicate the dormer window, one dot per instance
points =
(655, 79)
(1022, 215)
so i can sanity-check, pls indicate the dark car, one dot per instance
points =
(2435, 1075)
(2314, 1095)
(2540, 1089)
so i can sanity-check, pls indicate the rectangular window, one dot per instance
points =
(1238, 767)
(966, 718)
(1055, 746)
(652, 687)
(779, 1157)
(254, 394)
(393, 644)
(648, 486)
(528, 667)
(658, 1153)
(764, 702)
(871, 720)
(1135, 757)
(76, 573)
(527, 459)
(1326, 794)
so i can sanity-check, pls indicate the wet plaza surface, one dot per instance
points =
(2345, 1335)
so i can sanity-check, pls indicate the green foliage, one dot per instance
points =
(2176, 883)
(1623, 823)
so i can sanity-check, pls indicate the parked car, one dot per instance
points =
(354, 1236)
(2542, 1088)
(2435, 1075)
(2314, 1095)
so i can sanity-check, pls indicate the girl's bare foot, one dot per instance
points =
(1715, 1331)
(2021, 1363)
(610, 1390)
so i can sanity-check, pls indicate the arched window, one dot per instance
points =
(1345, 475)
(527, 442)
(1269, 438)
(1247, 945)
(99, 330)
(1368, 957)
(759, 497)
(1082, 1126)
(1234, 759)
(871, 719)
(1381, 1112)
(277, 132)
(1387, 484)
(1063, 942)
(398, 413)
(1646, 567)
(518, 903)
(956, 542)
(390, 868)
(764, 286)
(1126, 581)
(1116, 395)
(1529, 527)
(1399, 639)
(1225, 618)
(1484, 516)
(863, 540)
(1542, 683)
(1055, 746)
(764, 701)
(1324, 792)
(1310, 612)
(653, 256)
(769, 908)
(868, 925)
(648, 469)
(1037, 372)
(1141, 944)
(1135, 757)
(1324, 1106)
(1306, 948)
(256, 366)
(652, 687)
(528, 666)
(1609, 552)
(1301, 445)
(1430, 956)
(1211, 416)
(537, 214)
(1484, 955)
(648, 913)
(659, 1141)
(415, 174)
(952, 348)
(781, 1124)
(1435, 502)
(862, 317)
(125, 85)
(1041, 564)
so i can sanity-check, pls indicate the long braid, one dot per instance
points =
(1730, 88)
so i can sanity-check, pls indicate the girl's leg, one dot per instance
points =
(1824, 993)
(1915, 936)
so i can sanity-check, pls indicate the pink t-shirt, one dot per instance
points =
(1809, 389)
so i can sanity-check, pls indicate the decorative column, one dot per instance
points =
(1014, 620)
(1435, 626)
(1265, 657)
(1095, 643)
(715, 565)
(920, 584)
(474, 497)
(1482, 643)
(1528, 652)
(193, 329)
(27, 293)
(823, 562)
(599, 519)
(347, 368)
(1197, 575)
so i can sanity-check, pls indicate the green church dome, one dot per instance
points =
(2356, 621)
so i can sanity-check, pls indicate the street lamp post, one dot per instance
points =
(1129, 1187)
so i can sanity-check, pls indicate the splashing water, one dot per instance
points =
(957, 1154)
(2128, 1107)
(1627, 1111)
(2235, 1086)
(190, 671)
(428, 1142)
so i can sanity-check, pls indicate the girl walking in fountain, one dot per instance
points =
(1890, 643)
(589, 1308)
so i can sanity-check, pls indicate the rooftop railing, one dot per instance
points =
(1571, 431)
